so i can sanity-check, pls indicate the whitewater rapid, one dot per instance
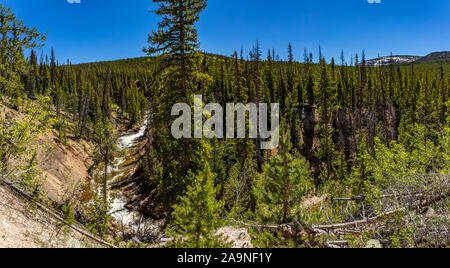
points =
(118, 208)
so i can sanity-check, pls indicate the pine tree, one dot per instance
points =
(343, 85)
(270, 80)
(285, 181)
(149, 131)
(242, 151)
(291, 68)
(290, 54)
(15, 37)
(240, 92)
(320, 54)
(176, 44)
(105, 146)
(106, 96)
(362, 86)
(59, 92)
(241, 180)
(84, 107)
(123, 95)
(177, 36)
(444, 96)
(325, 114)
(53, 68)
(33, 77)
(256, 58)
(310, 88)
(197, 217)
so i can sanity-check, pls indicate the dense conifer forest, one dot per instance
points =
(363, 158)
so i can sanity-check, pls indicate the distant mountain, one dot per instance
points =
(147, 62)
(382, 61)
(436, 56)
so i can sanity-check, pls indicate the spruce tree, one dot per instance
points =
(197, 217)
(176, 37)
(105, 146)
(291, 68)
(285, 181)
(106, 96)
(325, 115)
(15, 37)
(290, 54)
(53, 68)
(310, 88)
(256, 58)
(33, 77)
(175, 43)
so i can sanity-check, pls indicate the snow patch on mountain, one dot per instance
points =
(382, 61)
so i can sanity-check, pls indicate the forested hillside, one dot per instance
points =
(363, 158)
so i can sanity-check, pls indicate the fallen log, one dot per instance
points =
(337, 244)
(356, 224)
(271, 228)
(357, 198)
(423, 201)
(293, 230)
(362, 198)
(296, 231)
(319, 230)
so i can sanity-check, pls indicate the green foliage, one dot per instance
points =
(397, 166)
(197, 217)
(68, 212)
(175, 44)
(20, 143)
(270, 240)
(238, 192)
(105, 147)
(106, 141)
(98, 219)
(356, 130)
(286, 180)
(15, 38)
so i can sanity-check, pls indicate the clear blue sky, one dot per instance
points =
(96, 30)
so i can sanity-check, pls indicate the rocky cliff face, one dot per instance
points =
(345, 123)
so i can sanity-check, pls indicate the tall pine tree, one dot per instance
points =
(175, 43)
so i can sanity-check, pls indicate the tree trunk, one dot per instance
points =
(286, 187)
(105, 182)
(149, 131)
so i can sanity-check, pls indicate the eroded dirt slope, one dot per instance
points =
(24, 226)
(64, 164)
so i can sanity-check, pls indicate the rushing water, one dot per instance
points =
(126, 142)
(134, 224)
(118, 207)
(118, 210)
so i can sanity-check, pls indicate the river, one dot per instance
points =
(118, 208)
(131, 223)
